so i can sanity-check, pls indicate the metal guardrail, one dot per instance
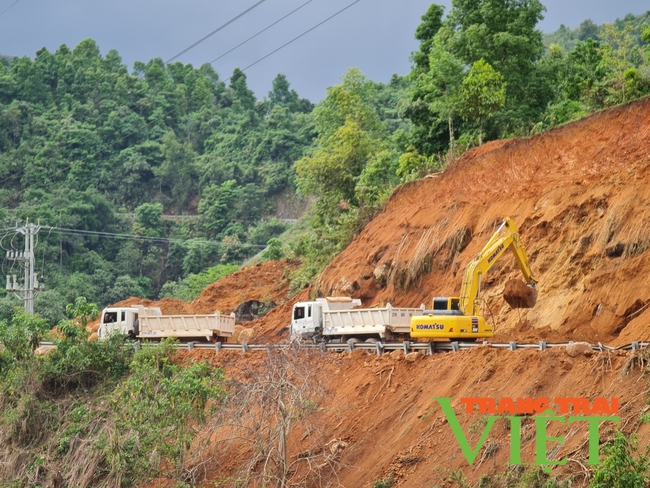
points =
(427, 348)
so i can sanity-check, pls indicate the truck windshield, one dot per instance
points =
(110, 317)
(298, 313)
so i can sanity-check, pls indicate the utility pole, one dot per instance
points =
(30, 286)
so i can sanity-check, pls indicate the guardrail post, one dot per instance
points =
(454, 346)
(600, 347)
(407, 346)
(431, 348)
(323, 347)
(217, 347)
(136, 346)
(190, 346)
(244, 347)
(542, 345)
(513, 346)
(635, 345)
(379, 348)
(350, 345)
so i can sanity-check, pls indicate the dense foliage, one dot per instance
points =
(86, 145)
(590, 68)
(97, 413)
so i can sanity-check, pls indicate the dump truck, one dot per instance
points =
(139, 322)
(462, 317)
(334, 319)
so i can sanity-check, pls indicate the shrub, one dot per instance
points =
(622, 467)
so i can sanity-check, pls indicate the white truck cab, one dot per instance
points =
(307, 317)
(124, 320)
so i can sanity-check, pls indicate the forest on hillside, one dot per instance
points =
(102, 156)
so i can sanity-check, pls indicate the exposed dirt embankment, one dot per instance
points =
(384, 411)
(580, 195)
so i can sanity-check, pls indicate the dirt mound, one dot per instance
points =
(263, 282)
(383, 408)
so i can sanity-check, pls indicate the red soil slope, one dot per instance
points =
(384, 411)
(580, 195)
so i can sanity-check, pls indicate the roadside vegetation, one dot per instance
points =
(100, 413)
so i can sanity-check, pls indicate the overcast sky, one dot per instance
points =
(375, 35)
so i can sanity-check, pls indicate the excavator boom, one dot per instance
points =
(462, 317)
(505, 238)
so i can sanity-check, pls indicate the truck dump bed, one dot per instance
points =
(187, 326)
(366, 321)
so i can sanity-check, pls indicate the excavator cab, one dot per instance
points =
(445, 306)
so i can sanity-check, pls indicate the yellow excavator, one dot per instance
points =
(461, 318)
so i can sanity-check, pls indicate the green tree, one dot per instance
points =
(482, 94)
(331, 170)
(441, 84)
(274, 250)
(623, 53)
(21, 335)
(243, 95)
(503, 34)
(82, 310)
(178, 170)
(425, 33)
(174, 402)
(149, 219)
(622, 468)
(217, 206)
(645, 35)
(349, 132)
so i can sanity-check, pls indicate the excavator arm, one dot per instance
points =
(506, 237)
(461, 318)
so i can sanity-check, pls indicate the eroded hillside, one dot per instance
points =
(580, 195)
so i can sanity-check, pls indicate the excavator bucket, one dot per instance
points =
(519, 295)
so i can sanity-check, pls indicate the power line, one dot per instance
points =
(263, 30)
(213, 32)
(113, 235)
(5, 10)
(298, 37)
